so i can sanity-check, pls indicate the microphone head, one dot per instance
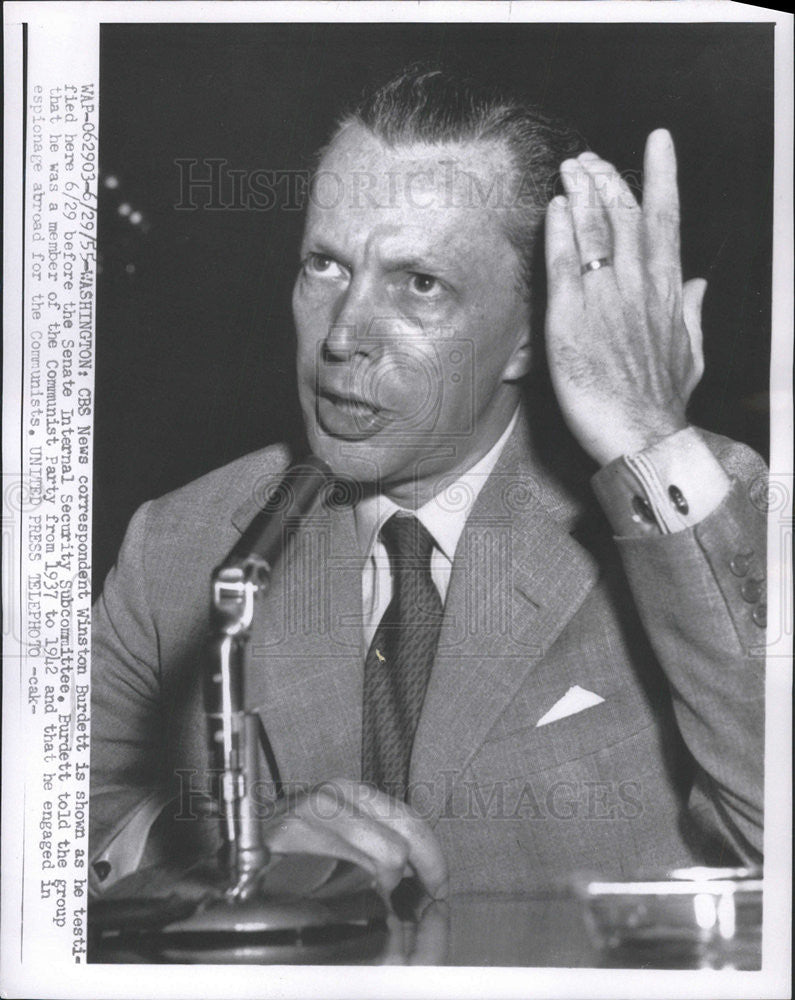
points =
(296, 490)
(286, 505)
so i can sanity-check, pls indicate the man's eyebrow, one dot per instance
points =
(419, 262)
(321, 248)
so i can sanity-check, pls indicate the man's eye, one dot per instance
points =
(425, 285)
(318, 264)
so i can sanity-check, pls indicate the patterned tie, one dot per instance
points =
(400, 657)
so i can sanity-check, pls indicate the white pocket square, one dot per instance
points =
(576, 699)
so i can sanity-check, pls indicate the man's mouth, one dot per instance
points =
(347, 415)
(351, 404)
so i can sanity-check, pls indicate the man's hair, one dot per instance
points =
(433, 106)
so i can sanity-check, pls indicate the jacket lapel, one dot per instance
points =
(518, 577)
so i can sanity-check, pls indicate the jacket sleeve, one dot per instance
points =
(128, 786)
(700, 593)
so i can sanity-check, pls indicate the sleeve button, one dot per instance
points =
(751, 590)
(760, 615)
(740, 564)
(102, 869)
(642, 509)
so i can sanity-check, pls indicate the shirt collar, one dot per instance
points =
(444, 515)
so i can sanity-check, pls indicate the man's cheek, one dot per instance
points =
(409, 400)
(312, 313)
(389, 390)
(407, 378)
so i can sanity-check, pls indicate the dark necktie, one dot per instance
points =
(400, 657)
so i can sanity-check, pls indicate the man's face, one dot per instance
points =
(412, 324)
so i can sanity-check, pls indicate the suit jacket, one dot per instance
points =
(665, 770)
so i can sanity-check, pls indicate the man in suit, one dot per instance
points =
(467, 670)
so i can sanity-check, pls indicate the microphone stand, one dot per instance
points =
(247, 905)
(233, 730)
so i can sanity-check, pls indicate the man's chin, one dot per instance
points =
(359, 460)
(399, 471)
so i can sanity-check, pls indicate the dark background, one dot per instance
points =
(194, 331)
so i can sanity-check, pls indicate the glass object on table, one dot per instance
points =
(683, 918)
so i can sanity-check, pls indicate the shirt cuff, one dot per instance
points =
(122, 855)
(671, 486)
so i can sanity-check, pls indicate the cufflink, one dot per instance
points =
(678, 500)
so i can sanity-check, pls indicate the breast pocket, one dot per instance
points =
(517, 746)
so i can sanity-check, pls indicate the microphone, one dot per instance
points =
(246, 904)
(262, 542)
(234, 731)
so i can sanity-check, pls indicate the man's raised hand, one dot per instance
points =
(623, 340)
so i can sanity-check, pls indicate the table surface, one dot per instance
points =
(311, 909)
(482, 929)
(548, 931)
(473, 930)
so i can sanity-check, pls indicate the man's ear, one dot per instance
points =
(519, 362)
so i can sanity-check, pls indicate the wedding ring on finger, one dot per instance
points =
(596, 265)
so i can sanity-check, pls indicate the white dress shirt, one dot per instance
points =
(444, 517)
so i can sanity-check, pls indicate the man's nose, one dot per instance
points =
(341, 342)
(348, 332)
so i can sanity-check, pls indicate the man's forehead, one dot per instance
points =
(359, 161)
(354, 143)
(415, 192)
